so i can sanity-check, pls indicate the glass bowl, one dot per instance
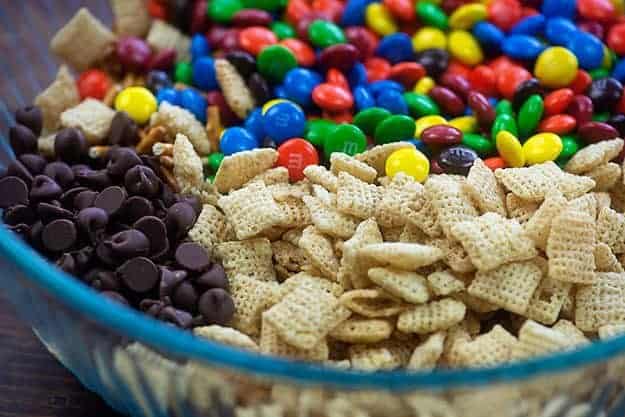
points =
(143, 367)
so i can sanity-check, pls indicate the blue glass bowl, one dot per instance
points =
(143, 367)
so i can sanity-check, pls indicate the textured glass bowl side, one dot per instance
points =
(112, 350)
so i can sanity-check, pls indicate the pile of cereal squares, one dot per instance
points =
(274, 249)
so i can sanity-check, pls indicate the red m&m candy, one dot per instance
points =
(295, 155)
(93, 83)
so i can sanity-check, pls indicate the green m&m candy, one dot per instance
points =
(432, 15)
(275, 61)
(268, 5)
(598, 73)
(283, 30)
(600, 117)
(394, 128)
(368, 119)
(421, 105)
(503, 107)
(530, 114)
(223, 10)
(479, 144)
(317, 130)
(504, 122)
(345, 138)
(183, 73)
(214, 161)
(570, 146)
(323, 34)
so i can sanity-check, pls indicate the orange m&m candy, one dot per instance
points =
(253, 39)
(304, 54)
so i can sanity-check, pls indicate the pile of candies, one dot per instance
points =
(369, 185)
(513, 82)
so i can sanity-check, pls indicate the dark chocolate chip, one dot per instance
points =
(83, 258)
(111, 199)
(115, 296)
(105, 254)
(152, 307)
(106, 281)
(66, 263)
(137, 207)
(44, 188)
(22, 230)
(13, 190)
(124, 130)
(92, 221)
(170, 280)
(215, 277)
(34, 236)
(33, 162)
(60, 172)
(185, 297)
(49, 212)
(17, 169)
(180, 218)
(194, 202)
(243, 62)
(216, 306)
(176, 317)
(129, 244)
(19, 214)
(97, 180)
(31, 117)
(168, 196)
(91, 275)
(22, 140)
(70, 145)
(154, 229)
(192, 257)
(68, 197)
(85, 199)
(81, 168)
(121, 160)
(141, 180)
(139, 274)
(59, 235)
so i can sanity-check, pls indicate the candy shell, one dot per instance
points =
(464, 47)
(408, 161)
(138, 102)
(510, 149)
(556, 67)
(344, 138)
(295, 155)
(236, 139)
(394, 128)
(367, 120)
(284, 121)
(424, 122)
(541, 148)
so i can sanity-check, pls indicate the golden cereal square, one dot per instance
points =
(372, 303)
(92, 117)
(356, 197)
(252, 258)
(432, 317)
(450, 201)
(601, 303)
(594, 155)
(319, 250)
(483, 187)
(340, 162)
(362, 330)
(409, 286)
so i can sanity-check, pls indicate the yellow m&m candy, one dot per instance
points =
(465, 48)
(541, 148)
(138, 102)
(429, 37)
(424, 122)
(510, 149)
(556, 67)
(410, 162)
(379, 19)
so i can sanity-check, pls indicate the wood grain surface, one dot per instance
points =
(33, 383)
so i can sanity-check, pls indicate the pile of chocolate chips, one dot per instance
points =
(112, 222)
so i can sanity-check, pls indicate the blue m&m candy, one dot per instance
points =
(194, 102)
(396, 48)
(393, 101)
(559, 31)
(284, 120)
(522, 47)
(254, 124)
(559, 8)
(532, 25)
(362, 98)
(237, 139)
(489, 35)
(169, 95)
(204, 73)
(298, 85)
(199, 47)
(587, 48)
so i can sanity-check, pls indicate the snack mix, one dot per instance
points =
(369, 185)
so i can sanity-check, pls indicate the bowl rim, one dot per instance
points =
(137, 326)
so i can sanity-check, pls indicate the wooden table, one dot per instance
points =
(33, 383)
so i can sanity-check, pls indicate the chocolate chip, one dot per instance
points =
(180, 218)
(106, 281)
(105, 254)
(22, 140)
(92, 221)
(48, 212)
(137, 207)
(121, 160)
(68, 197)
(17, 169)
(33, 162)
(19, 214)
(70, 145)
(34, 235)
(98, 180)
(216, 306)
(141, 180)
(83, 258)
(194, 202)
(21, 230)
(176, 317)
(66, 263)
(124, 130)
(168, 197)
(60, 172)
(31, 117)
(84, 199)
(152, 307)
(170, 280)
(154, 229)
(192, 257)
(44, 188)
(111, 199)
(59, 235)
(129, 243)
(81, 168)
(185, 297)
(215, 277)
(139, 274)
(13, 190)
(115, 296)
